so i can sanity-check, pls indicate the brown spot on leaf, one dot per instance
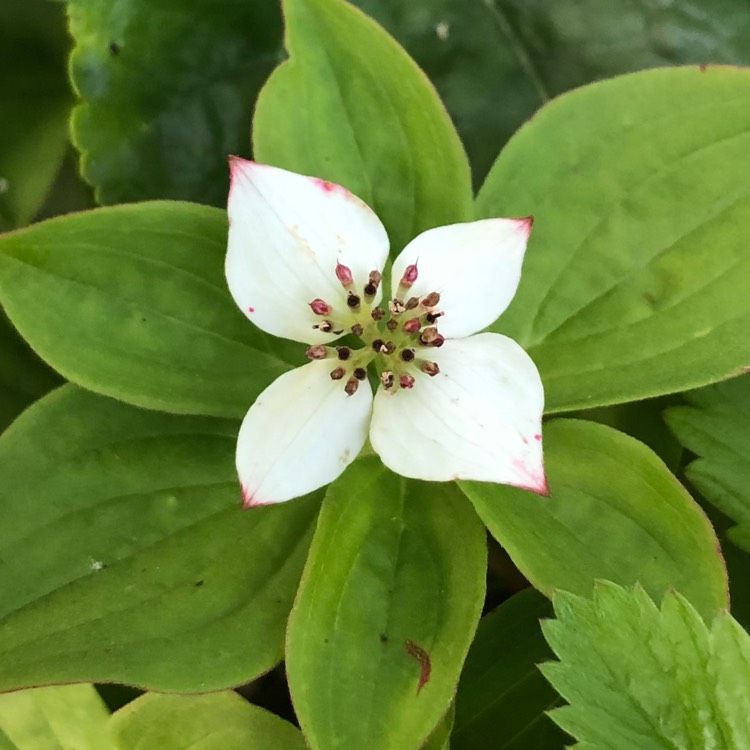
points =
(425, 666)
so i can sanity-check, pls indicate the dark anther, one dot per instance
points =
(352, 300)
(431, 299)
(377, 345)
(357, 329)
(351, 386)
(377, 313)
(430, 368)
(388, 348)
(343, 352)
(431, 317)
(360, 373)
(391, 325)
(411, 303)
(407, 355)
(386, 378)
(338, 373)
(373, 283)
(326, 326)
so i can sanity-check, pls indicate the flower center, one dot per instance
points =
(396, 335)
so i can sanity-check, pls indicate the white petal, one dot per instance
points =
(475, 267)
(287, 232)
(478, 418)
(300, 434)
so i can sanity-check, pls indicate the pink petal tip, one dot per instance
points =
(526, 222)
(249, 499)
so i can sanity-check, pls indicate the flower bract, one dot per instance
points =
(408, 368)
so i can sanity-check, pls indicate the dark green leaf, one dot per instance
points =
(378, 129)
(34, 103)
(167, 92)
(132, 302)
(387, 607)
(469, 52)
(23, 377)
(125, 555)
(502, 695)
(567, 43)
(716, 426)
(615, 512)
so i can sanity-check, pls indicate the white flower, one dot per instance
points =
(304, 262)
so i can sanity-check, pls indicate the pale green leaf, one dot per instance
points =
(716, 426)
(350, 106)
(635, 279)
(615, 512)
(215, 721)
(132, 302)
(48, 718)
(125, 556)
(637, 676)
(387, 607)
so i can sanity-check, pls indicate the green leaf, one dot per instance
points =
(468, 51)
(167, 90)
(643, 420)
(125, 555)
(387, 607)
(68, 716)
(495, 62)
(23, 377)
(615, 512)
(440, 739)
(378, 129)
(215, 721)
(639, 676)
(635, 278)
(131, 302)
(34, 104)
(716, 426)
(502, 697)
(571, 42)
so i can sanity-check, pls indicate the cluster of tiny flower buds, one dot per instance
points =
(411, 324)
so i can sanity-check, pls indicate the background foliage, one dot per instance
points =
(123, 552)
